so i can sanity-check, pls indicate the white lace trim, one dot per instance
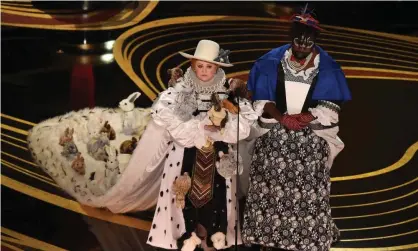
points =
(217, 85)
(305, 74)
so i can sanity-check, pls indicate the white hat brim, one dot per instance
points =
(186, 55)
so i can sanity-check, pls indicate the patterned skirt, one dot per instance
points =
(288, 199)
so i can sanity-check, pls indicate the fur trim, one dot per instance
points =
(191, 243)
(84, 179)
(218, 240)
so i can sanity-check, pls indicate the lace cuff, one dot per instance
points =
(326, 113)
(259, 106)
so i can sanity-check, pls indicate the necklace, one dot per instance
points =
(295, 65)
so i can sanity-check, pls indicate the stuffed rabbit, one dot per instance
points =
(107, 128)
(78, 164)
(129, 120)
(227, 164)
(67, 137)
(112, 171)
(176, 75)
(70, 150)
(128, 146)
(95, 146)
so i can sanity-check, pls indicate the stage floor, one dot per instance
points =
(44, 74)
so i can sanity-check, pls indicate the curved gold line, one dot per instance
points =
(376, 227)
(402, 44)
(377, 202)
(408, 39)
(93, 26)
(46, 16)
(343, 67)
(393, 248)
(14, 129)
(264, 49)
(25, 171)
(175, 28)
(368, 50)
(284, 28)
(17, 158)
(234, 74)
(13, 3)
(17, 119)
(352, 61)
(11, 137)
(381, 70)
(11, 246)
(32, 9)
(164, 22)
(380, 237)
(375, 191)
(370, 56)
(127, 68)
(143, 59)
(331, 45)
(13, 144)
(384, 78)
(381, 64)
(182, 40)
(28, 241)
(74, 206)
(30, 174)
(376, 214)
(410, 152)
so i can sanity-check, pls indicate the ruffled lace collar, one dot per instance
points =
(200, 87)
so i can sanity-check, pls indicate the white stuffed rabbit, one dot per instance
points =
(129, 120)
(112, 171)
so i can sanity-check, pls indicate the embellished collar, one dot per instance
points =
(200, 87)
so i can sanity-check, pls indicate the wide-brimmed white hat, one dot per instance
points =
(211, 52)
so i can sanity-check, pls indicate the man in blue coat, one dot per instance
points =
(330, 83)
(297, 90)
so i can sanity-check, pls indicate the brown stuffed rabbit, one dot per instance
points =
(67, 137)
(78, 164)
(128, 146)
(175, 74)
(110, 132)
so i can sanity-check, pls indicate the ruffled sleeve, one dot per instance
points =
(326, 126)
(165, 115)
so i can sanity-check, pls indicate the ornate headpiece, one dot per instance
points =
(306, 18)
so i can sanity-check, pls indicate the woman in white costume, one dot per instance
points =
(200, 208)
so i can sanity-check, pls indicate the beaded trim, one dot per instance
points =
(291, 76)
(329, 105)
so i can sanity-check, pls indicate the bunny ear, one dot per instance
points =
(134, 96)
(107, 150)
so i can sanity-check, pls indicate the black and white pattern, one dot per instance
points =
(288, 199)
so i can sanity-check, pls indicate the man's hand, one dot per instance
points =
(305, 117)
(291, 122)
